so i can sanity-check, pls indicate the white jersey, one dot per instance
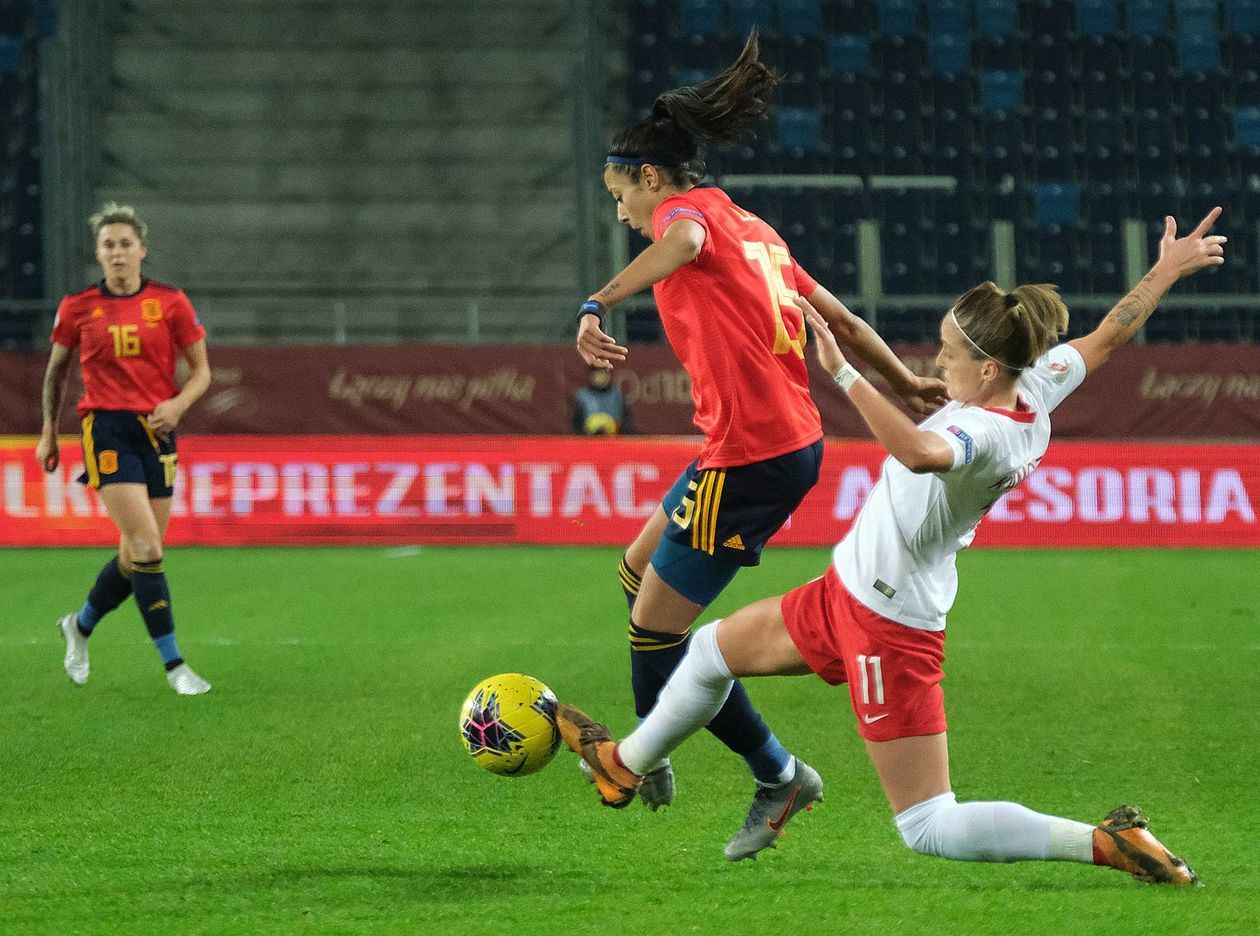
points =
(898, 559)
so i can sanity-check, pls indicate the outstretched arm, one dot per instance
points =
(1178, 258)
(918, 450)
(922, 394)
(679, 245)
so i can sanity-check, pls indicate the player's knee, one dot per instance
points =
(924, 827)
(143, 549)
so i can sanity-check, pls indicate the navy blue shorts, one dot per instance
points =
(730, 513)
(120, 448)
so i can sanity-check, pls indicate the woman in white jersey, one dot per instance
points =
(876, 619)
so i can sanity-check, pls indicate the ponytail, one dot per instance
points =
(715, 112)
(1012, 328)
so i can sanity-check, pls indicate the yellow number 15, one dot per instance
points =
(771, 259)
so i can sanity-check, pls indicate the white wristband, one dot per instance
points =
(846, 377)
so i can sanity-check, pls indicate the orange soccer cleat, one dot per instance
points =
(591, 741)
(1122, 842)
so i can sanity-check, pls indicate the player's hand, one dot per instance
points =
(48, 453)
(1190, 254)
(828, 350)
(598, 349)
(165, 416)
(925, 395)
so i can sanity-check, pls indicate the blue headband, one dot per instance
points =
(641, 161)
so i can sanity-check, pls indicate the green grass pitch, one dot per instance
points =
(322, 787)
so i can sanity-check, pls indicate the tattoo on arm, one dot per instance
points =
(608, 292)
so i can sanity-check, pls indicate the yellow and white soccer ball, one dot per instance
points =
(508, 724)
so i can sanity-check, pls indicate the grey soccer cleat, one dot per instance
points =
(76, 661)
(772, 807)
(657, 789)
(185, 682)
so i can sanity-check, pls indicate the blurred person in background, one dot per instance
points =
(599, 408)
(130, 331)
(725, 285)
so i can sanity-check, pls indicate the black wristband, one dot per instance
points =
(595, 308)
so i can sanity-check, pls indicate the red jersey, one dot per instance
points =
(127, 344)
(731, 319)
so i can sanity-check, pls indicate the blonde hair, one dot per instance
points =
(114, 213)
(1012, 328)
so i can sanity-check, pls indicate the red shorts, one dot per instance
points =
(893, 671)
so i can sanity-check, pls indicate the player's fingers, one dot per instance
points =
(1216, 239)
(1170, 227)
(1208, 220)
(51, 460)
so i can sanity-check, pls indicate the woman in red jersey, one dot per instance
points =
(725, 284)
(129, 332)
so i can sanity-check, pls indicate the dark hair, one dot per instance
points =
(1013, 328)
(714, 111)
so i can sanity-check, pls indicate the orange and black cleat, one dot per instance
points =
(591, 741)
(1122, 842)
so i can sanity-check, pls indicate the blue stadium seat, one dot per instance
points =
(11, 48)
(848, 53)
(1242, 17)
(801, 18)
(1147, 17)
(1001, 90)
(952, 17)
(1050, 17)
(799, 127)
(997, 17)
(700, 17)
(1199, 50)
(898, 17)
(1097, 17)
(949, 53)
(745, 15)
(1247, 127)
(1056, 202)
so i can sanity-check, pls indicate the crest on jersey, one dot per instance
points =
(151, 310)
(1058, 371)
(98, 312)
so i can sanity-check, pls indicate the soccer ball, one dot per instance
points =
(508, 724)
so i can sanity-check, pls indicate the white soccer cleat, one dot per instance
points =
(184, 681)
(76, 662)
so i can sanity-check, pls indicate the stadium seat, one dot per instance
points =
(1097, 17)
(1001, 91)
(898, 17)
(949, 53)
(850, 16)
(11, 49)
(801, 18)
(1242, 17)
(743, 16)
(1151, 90)
(949, 17)
(997, 53)
(902, 92)
(849, 54)
(1147, 17)
(1050, 17)
(798, 127)
(700, 17)
(902, 150)
(1053, 90)
(952, 93)
(997, 17)
(907, 54)
(1002, 146)
(1199, 50)
(1056, 202)
(1247, 127)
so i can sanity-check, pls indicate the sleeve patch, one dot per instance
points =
(969, 446)
(677, 211)
(1059, 371)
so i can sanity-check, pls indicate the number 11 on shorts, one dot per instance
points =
(875, 674)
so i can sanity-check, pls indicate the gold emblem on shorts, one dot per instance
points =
(151, 310)
(107, 462)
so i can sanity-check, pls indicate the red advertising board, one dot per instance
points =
(269, 490)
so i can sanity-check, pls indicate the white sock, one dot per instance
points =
(992, 832)
(696, 692)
